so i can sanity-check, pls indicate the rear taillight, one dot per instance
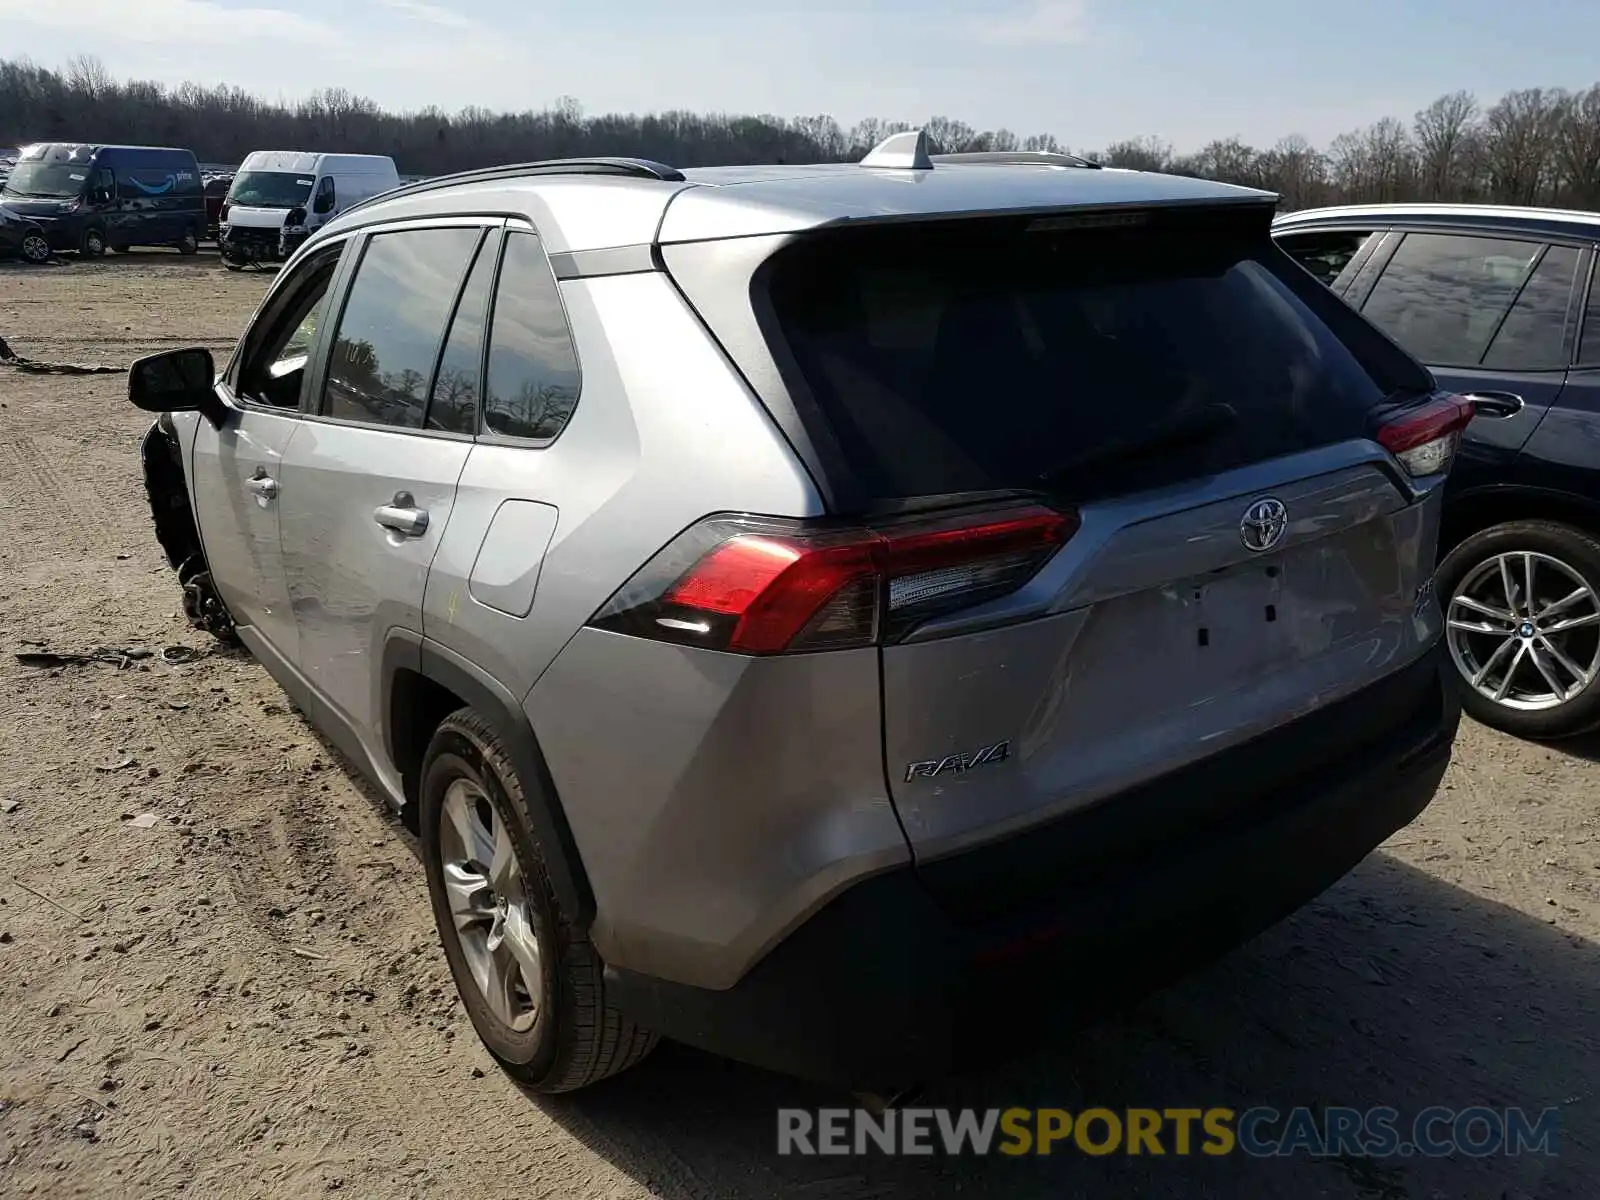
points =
(757, 585)
(1425, 438)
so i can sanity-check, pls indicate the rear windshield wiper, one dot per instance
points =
(1191, 426)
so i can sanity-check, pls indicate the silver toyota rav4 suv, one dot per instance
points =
(824, 613)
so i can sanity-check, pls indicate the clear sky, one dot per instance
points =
(1088, 71)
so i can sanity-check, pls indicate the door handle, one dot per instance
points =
(1496, 404)
(264, 486)
(402, 516)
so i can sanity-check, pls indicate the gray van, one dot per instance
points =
(97, 198)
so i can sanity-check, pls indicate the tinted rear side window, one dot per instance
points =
(1442, 296)
(532, 385)
(995, 355)
(1589, 349)
(1533, 337)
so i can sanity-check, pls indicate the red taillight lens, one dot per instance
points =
(772, 587)
(1425, 438)
(758, 586)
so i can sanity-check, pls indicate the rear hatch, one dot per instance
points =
(1241, 550)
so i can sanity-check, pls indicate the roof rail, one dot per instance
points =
(1046, 158)
(636, 168)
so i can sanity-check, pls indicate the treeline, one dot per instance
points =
(1535, 146)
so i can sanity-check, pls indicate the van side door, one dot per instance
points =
(107, 208)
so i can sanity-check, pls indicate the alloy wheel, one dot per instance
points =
(35, 249)
(1524, 631)
(489, 905)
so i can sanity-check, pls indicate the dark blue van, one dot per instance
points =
(97, 198)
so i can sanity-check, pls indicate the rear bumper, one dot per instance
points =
(888, 985)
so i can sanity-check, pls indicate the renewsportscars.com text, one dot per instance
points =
(1258, 1132)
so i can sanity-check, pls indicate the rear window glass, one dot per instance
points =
(997, 355)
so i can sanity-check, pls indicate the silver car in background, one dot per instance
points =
(816, 612)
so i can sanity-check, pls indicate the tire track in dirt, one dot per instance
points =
(80, 522)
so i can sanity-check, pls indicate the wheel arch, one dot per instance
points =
(1484, 508)
(423, 683)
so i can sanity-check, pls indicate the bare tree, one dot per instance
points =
(1444, 134)
(1139, 154)
(1520, 133)
(1578, 149)
(1297, 171)
(87, 75)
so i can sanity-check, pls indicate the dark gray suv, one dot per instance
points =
(806, 606)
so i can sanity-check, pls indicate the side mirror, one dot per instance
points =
(177, 381)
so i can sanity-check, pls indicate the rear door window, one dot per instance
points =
(393, 323)
(1533, 337)
(1004, 355)
(453, 402)
(1589, 348)
(1443, 296)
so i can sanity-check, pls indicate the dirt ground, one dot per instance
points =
(246, 998)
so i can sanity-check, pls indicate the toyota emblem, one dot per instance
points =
(1263, 525)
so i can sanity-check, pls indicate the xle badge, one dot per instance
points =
(959, 763)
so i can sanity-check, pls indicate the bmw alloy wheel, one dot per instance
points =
(1524, 631)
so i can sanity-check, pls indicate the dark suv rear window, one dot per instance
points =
(995, 355)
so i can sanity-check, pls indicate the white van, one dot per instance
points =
(281, 197)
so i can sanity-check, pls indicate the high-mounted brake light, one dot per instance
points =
(761, 586)
(1425, 438)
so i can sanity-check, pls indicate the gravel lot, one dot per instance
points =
(246, 998)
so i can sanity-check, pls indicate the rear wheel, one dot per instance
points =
(189, 243)
(35, 248)
(531, 985)
(94, 243)
(1522, 612)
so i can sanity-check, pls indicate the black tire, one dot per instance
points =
(575, 1038)
(94, 242)
(35, 249)
(189, 243)
(1579, 552)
